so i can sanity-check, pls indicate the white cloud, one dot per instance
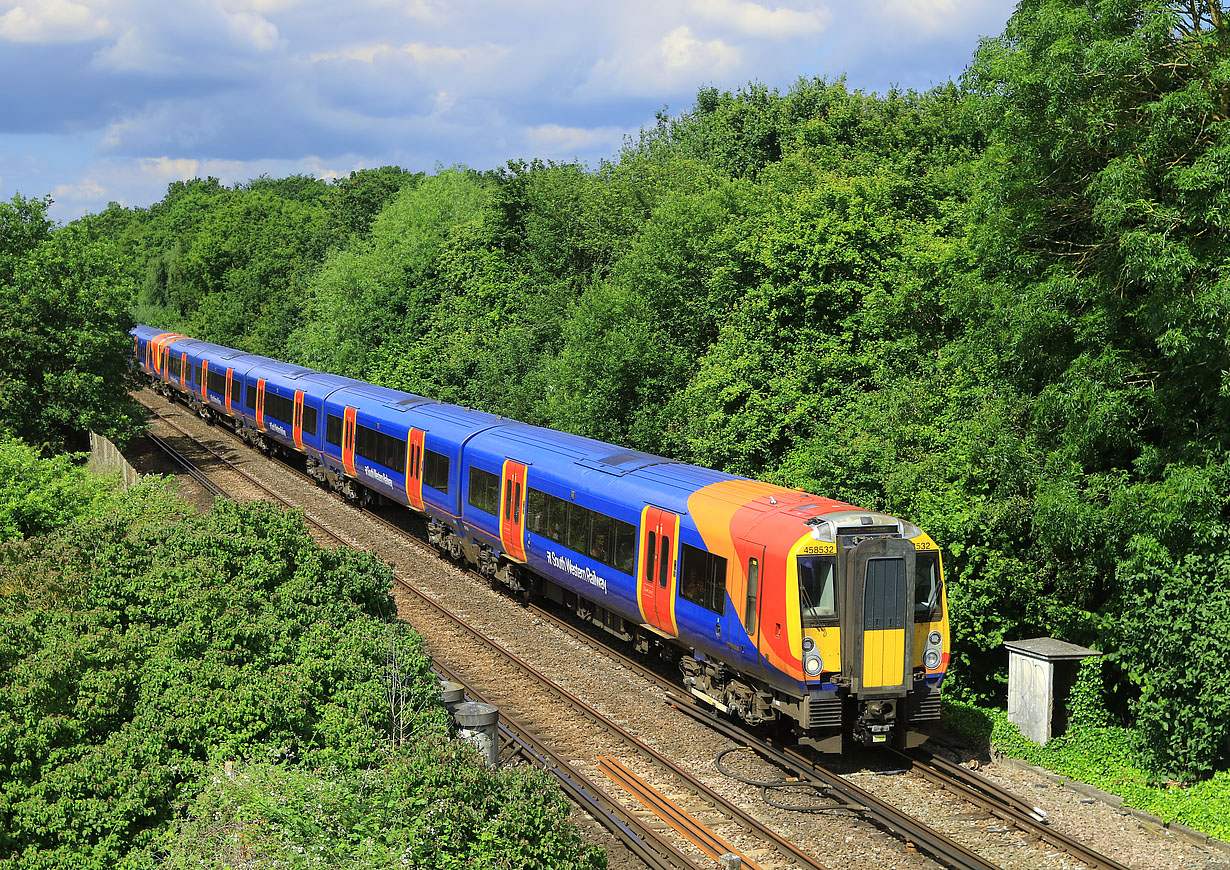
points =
(85, 191)
(54, 21)
(674, 62)
(426, 55)
(929, 17)
(752, 19)
(681, 52)
(252, 30)
(554, 140)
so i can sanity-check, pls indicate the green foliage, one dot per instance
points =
(1175, 645)
(1086, 702)
(38, 495)
(141, 647)
(64, 351)
(436, 807)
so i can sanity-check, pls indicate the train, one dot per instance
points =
(779, 606)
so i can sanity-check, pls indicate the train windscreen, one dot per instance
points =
(818, 590)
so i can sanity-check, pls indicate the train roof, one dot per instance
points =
(604, 470)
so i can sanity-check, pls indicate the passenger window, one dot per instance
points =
(536, 510)
(508, 500)
(578, 528)
(703, 578)
(625, 546)
(753, 584)
(517, 506)
(664, 566)
(651, 551)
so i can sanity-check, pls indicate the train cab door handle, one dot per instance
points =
(735, 647)
(717, 627)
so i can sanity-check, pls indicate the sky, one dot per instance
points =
(112, 100)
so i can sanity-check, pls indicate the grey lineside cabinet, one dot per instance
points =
(1041, 673)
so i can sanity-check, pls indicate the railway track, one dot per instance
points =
(842, 794)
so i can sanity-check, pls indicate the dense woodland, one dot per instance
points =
(1000, 308)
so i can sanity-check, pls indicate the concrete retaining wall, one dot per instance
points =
(105, 458)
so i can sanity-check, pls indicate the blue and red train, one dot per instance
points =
(776, 603)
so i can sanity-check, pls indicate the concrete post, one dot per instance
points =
(451, 694)
(730, 862)
(478, 723)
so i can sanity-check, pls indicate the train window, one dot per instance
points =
(250, 400)
(600, 538)
(651, 551)
(333, 425)
(196, 375)
(508, 501)
(624, 535)
(753, 589)
(704, 578)
(536, 511)
(435, 471)
(578, 528)
(217, 382)
(279, 407)
(664, 564)
(234, 396)
(484, 491)
(517, 504)
(818, 590)
(309, 420)
(928, 586)
(556, 519)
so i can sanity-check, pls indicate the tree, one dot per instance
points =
(64, 346)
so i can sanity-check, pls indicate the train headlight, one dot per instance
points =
(813, 665)
(808, 644)
(934, 638)
(931, 659)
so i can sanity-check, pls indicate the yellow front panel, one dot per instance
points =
(883, 658)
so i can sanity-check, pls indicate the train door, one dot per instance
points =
(414, 467)
(183, 368)
(753, 564)
(349, 421)
(512, 509)
(205, 380)
(297, 423)
(260, 403)
(878, 635)
(656, 574)
(230, 375)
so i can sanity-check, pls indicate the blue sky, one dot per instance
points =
(111, 100)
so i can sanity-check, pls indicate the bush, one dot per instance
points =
(1175, 645)
(434, 807)
(140, 646)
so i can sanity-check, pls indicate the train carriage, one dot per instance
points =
(776, 604)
